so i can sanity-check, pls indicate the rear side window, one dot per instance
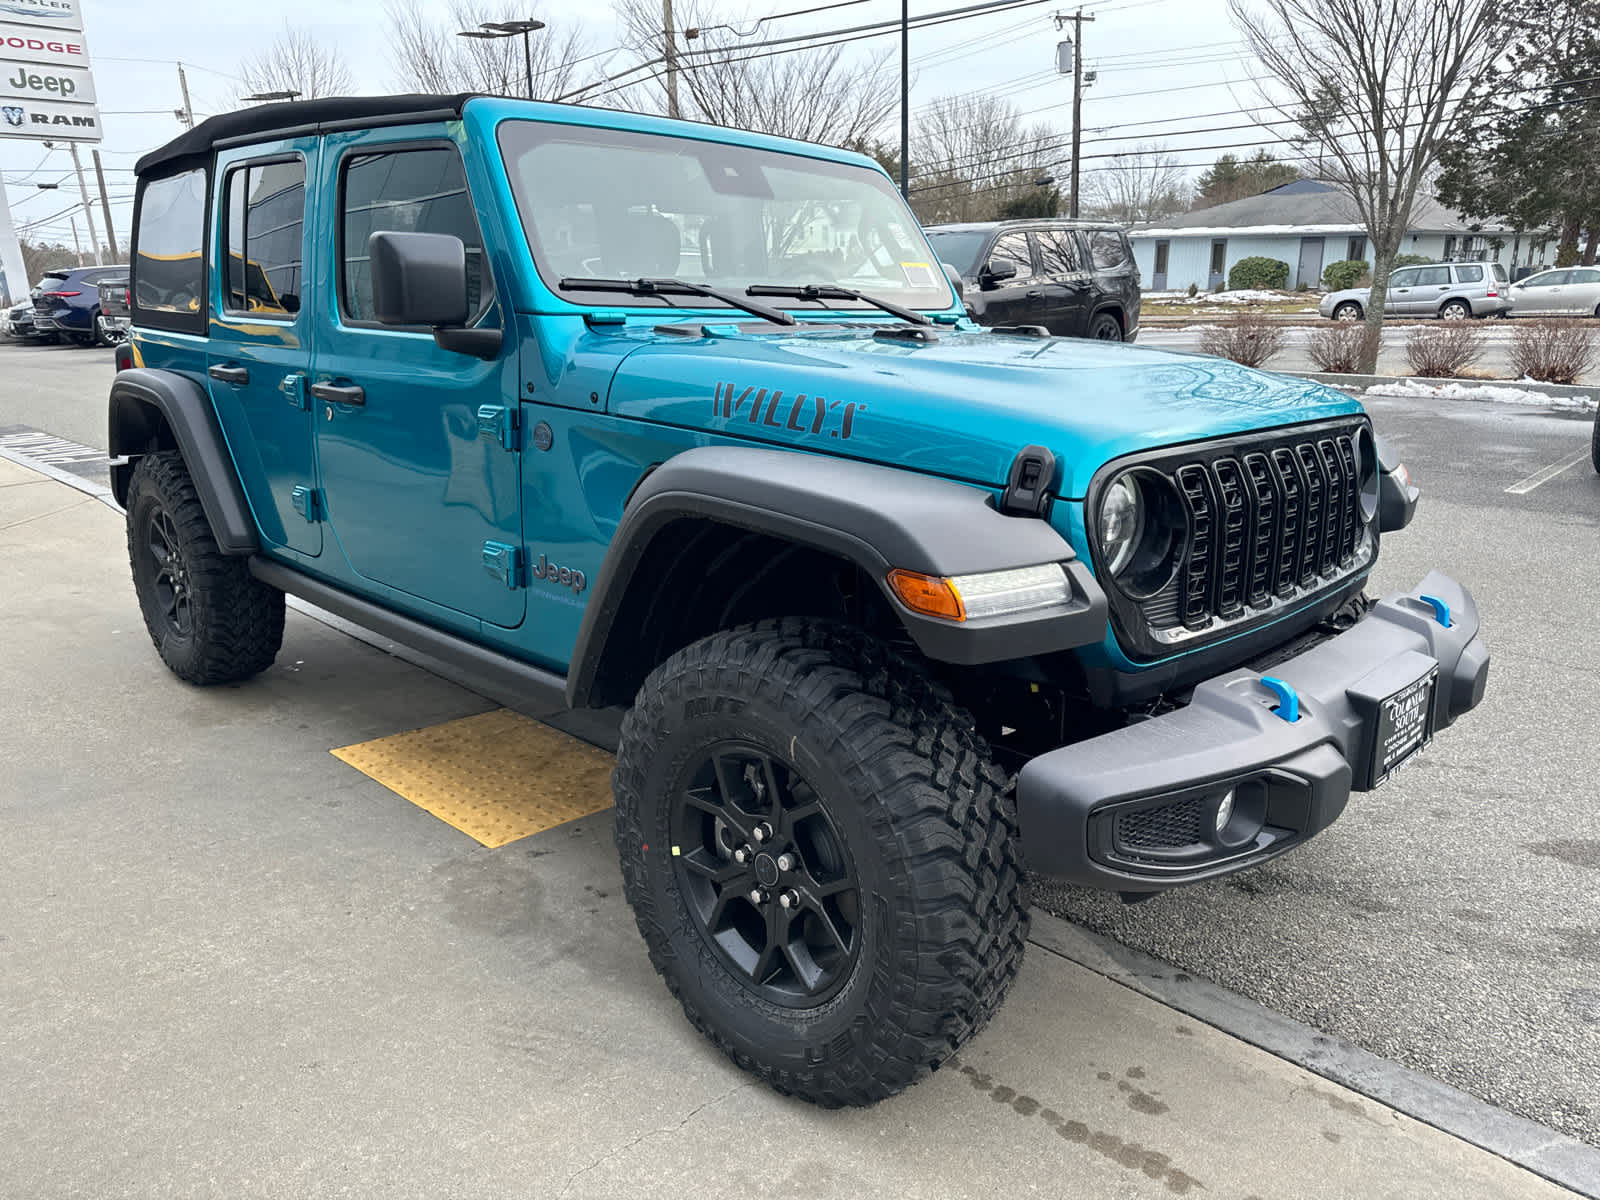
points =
(1058, 251)
(414, 191)
(1432, 275)
(1469, 274)
(1108, 248)
(265, 211)
(169, 268)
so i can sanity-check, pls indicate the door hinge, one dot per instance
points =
(308, 503)
(294, 387)
(499, 424)
(504, 563)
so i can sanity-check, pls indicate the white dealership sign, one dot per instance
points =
(43, 14)
(30, 81)
(49, 120)
(25, 43)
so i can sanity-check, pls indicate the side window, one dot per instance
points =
(1470, 274)
(1058, 251)
(1429, 276)
(415, 191)
(168, 263)
(1405, 277)
(264, 212)
(1015, 247)
(1108, 248)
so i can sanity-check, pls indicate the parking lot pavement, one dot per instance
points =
(61, 389)
(231, 965)
(1448, 921)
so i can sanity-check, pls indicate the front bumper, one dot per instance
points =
(1135, 810)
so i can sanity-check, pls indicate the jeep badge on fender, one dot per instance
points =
(893, 602)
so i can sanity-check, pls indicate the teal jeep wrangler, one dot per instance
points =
(691, 422)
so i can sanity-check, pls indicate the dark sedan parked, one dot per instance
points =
(68, 303)
(1075, 278)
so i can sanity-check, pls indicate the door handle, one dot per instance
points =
(223, 374)
(1033, 295)
(337, 393)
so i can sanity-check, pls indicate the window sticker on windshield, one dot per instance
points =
(920, 275)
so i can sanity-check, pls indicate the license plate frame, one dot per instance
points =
(1402, 726)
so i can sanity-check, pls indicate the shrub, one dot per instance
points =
(1258, 272)
(1337, 347)
(1445, 349)
(1249, 339)
(1193, 289)
(1552, 351)
(1411, 260)
(1346, 273)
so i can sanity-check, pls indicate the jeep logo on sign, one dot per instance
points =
(45, 84)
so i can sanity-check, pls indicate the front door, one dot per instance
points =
(258, 355)
(1401, 285)
(419, 470)
(1020, 299)
(1310, 262)
(1066, 282)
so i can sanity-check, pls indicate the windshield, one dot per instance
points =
(959, 248)
(613, 204)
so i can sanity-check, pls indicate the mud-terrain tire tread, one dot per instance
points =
(935, 801)
(1594, 443)
(237, 619)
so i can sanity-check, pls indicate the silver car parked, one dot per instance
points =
(1565, 292)
(1447, 290)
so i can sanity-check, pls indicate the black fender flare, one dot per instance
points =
(145, 400)
(879, 518)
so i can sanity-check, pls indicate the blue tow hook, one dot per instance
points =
(1288, 699)
(1441, 610)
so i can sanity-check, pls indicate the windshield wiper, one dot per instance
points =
(677, 287)
(832, 291)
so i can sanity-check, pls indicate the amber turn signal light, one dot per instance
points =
(928, 594)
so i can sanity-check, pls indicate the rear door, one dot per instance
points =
(1430, 290)
(1065, 281)
(258, 354)
(420, 463)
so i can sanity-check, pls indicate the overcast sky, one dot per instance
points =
(1173, 64)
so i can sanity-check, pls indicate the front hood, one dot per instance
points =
(960, 406)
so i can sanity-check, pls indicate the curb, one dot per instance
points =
(1362, 382)
(1554, 1156)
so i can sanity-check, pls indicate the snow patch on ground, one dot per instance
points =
(1242, 296)
(1484, 393)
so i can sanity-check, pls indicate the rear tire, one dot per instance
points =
(1594, 441)
(210, 619)
(1455, 310)
(1105, 328)
(888, 831)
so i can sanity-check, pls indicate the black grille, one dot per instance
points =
(1267, 524)
(1170, 827)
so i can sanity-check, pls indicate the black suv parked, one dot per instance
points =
(1076, 278)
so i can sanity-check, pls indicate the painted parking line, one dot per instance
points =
(496, 777)
(48, 449)
(1523, 487)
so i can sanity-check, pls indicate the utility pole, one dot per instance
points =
(905, 99)
(83, 194)
(77, 246)
(1077, 20)
(669, 53)
(105, 203)
(187, 115)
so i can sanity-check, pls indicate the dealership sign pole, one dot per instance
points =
(46, 94)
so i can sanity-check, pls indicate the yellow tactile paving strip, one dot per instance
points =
(497, 777)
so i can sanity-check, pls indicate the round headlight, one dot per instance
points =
(1121, 522)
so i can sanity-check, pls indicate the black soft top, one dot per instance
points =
(297, 116)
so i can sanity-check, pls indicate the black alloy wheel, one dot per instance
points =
(169, 573)
(765, 874)
(1106, 328)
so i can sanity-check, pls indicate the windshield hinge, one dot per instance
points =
(1027, 485)
(504, 563)
(499, 424)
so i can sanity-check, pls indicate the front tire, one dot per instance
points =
(1594, 441)
(1348, 311)
(210, 619)
(820, 856)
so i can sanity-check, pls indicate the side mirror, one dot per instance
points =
(954, 276)
(421, 279)
(290, 303)
(997, 270)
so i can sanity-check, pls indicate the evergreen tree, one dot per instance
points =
(1232, 178)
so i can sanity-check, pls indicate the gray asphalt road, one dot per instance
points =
(1448, 921)
(1496, 360)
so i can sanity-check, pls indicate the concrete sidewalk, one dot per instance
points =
(232, 966)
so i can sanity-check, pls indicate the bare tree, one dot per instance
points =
(428, 56)
(295, 62)
(971, 157)
(1142, 184)
(812, 93)
(1377, 87)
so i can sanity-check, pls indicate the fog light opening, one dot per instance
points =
(1240, 814)
(1224, 812)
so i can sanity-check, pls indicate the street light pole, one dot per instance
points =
(489, 30)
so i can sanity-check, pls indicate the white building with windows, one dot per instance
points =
(1307, 224)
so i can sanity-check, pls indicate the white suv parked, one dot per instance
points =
(1448, 290)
